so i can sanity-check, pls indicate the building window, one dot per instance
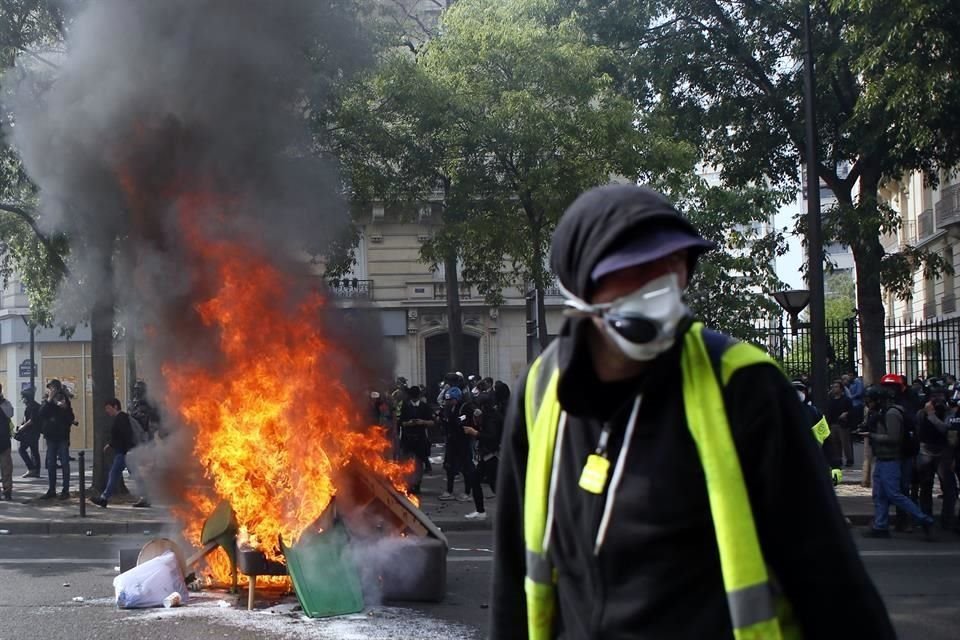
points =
(948, 276)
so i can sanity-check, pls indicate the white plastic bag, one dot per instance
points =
(146, 585)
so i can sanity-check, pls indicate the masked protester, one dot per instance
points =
(649, 463)
(56, 418)
(416, 418)
(28, 434)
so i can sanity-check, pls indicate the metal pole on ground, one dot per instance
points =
(83, 483)
(818, 335)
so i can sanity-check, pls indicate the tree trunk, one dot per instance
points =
(130, 344)
(542, 335)
(867, 256)
(454, 319)
(101, 347)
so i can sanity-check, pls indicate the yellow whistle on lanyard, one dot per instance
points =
(593, 478)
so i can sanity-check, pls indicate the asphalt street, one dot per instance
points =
(40, 576)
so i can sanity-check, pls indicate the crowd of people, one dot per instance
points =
(52, 421)
(466, 417)
(911, 436)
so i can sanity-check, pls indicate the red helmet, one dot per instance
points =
(892, 378)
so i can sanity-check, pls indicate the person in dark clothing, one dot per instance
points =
(416, 418)
(886, 439)
(936, 458)
(6, 456)
(838, 414)
(56, 418)
(455, 416)
(634, 553)
(122, 441)
(28, 434)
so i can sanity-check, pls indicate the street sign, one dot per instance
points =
(28, 368)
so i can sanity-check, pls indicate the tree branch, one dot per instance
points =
(45, 240)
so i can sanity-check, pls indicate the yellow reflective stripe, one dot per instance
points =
(737, 356)
(530, 399)
(541, 402)
(541, 609)
(821, 430)
(741, 560)
(766, 630)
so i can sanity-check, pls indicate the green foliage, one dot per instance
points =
(506, 115)
(32, 29)
(729, 76)
(731, 288)
(840, 300)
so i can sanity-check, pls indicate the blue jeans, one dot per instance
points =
(886, 490)
(116, 474)
(58, 449)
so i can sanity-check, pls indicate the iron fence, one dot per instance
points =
(914, 349)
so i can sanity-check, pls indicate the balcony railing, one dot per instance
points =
(925, 226)
(948, 208)
(440, 291)
(908, 232)
(948, 303)
(351, 288)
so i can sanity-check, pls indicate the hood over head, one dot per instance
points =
(620, 224)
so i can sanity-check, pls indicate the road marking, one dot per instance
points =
(111, 561)
(910, 554)
(469, 558)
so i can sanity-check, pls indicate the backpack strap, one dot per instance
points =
(716, 343)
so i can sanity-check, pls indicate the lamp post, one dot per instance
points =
(28, 320)
(818, 331)
(793, 302)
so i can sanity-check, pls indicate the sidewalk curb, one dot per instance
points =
(81, 526)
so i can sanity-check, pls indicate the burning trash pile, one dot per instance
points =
(171, 144)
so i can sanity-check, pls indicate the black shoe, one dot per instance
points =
(49, 495)
(876, 533)
(100, 502)
(927, 526)
(64, 495)
(142, 503)
(8, 495)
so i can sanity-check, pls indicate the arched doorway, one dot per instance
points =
(437, 352)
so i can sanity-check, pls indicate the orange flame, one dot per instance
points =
(268, 440)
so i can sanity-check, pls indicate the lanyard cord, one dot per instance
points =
(617, 476)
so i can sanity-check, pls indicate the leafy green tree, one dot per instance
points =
(395, 130)
(537, 123)
(727, 74)
(33, 30)
(731, 289)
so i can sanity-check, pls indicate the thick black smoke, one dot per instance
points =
(181, 96)
(157, 99)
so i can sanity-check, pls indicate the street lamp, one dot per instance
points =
(28, 320)
(793, 302)
(818, 330)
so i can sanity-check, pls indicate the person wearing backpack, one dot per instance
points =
(910, 404)
(886, 439)
(122, 441)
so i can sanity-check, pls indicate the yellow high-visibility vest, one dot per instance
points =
(753, 607)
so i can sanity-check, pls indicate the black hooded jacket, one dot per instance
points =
(657, 573)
